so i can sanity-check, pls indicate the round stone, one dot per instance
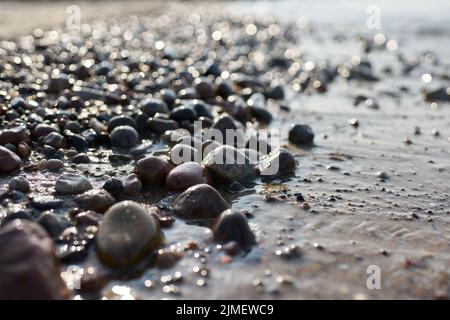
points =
(151, 106)
(15, 135)
(132, 185)
(54, 164)
(124, 137)
(228, 163)
(276, 163)
(183, 113)
(19, 183)
(115, 187)
(121, 120)
(95, 200)
(187, 175)
(28, 266)
(301, 134)
(126, 235)
(153, 171)
(199, 202)
(55, 140)
(233, 226)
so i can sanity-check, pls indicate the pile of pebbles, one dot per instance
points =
(132, 89)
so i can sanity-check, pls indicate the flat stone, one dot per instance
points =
(70, 183)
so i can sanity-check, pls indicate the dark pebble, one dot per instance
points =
(124, 137)
(199, 202)
(301, 134)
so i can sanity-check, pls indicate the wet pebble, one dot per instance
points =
(42, 202)
(276, 163)
(153, 171)
(95, 200)
(182, 113)
(121, 120)
(199, 202)
(27, 257)
(70, 183)
(54, 164)
(233, 226)
(114, 187)
(132, 185)
(301, 134)
(20, 214)
(127, 234)
(151, 106)
(19, 183)
(55, 140)
(187, 175)
(160, 126)
(51, 223)
(15, 135)
(124, 137)
(9, 161)
(228, 163)
(81, 158)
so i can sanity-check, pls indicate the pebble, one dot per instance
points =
(28, 266)
(160, 126)
(58, 82)
(153, 171)
(42, 130)
(42, 202)
(81, 158)
(126, 234)
(114, 187)
(167, 258)
(15, 135)
(69, 183)
(383, 175)
(276, 163)
(21, 215)
(19, 183)
(23, 150)
(121, 120)
(233, 226)
(301, 134)
(224, 123)
(183, 113)
(95, 200)
(54, 164)
(186, 175)
(132, 185)
(199, 202)
(228, 163)
(9, 161)
(51, 223)
(55, 140)
(124, 137)
(151, 106)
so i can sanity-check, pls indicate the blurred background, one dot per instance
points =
(400, 15)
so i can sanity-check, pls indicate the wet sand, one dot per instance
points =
(356, 219)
